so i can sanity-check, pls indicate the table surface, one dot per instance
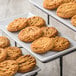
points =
(10, 8)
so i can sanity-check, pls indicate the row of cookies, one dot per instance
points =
(43, 38)
(12, 60)
(20, 23)
(53, 4)
(65, 8)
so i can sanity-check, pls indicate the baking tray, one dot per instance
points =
(52, 13)
(42, 57)
(36, 70)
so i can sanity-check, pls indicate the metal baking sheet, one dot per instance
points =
(66, 22)
(37, 69)
(42, 57)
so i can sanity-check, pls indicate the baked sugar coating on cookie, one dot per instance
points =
(42, 45)
(8, 68)
(67, 10)
(3, 54)
(49, 31)
(26, 63)
(13, 53)
(73, 20)
(4, 42)
(60, 43)
(36, 21)
(30, 34)
(17, 24)
(52, 4)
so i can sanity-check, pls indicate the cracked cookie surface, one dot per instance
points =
(8, 68)
(26, 63)
(13, 53)
(60, 43)
(36, 21)
(17, 24)
(49, 31)
(52, 4)
(30, 34)
(42, 45)
(67, 10)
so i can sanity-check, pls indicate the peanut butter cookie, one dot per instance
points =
(8, 68)
(13, 53)
(17, 24)
(49, 31)
(36, 21)
(26, 63)
(52, 4)
(73, 20)
(4, 42)
(67, 1)
(60, 43)
(42, 45)
(30, 34)
(67, 10)
(3, 54)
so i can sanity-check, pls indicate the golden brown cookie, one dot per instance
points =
(73, 20)
(13, 53)
(49, 31)
(67, 1)
(30, 34)
(60, 43)
(67, 10)
(4, 42)
(26, 63)
(42, 45)
(52, 4)
(3, 54)
(8, 68)
(36, 21)
(17, 24)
